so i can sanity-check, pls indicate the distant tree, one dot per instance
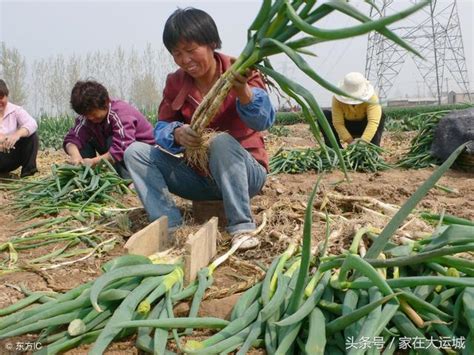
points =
(119, 84)
(74, 66)
(13, 72)
(138, 77)
(145, 94)
(96, 66)
(165, 67)
(57, 86)
(39, 76)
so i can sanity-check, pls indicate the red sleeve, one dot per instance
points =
(256, 80)
(165, 111)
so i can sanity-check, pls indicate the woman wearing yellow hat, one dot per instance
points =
(357, 116)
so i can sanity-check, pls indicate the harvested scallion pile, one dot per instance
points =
(279, 131)
(61, 245)
(364, 156)
(419, 155)
(360, 156)
(296, 161)
(81, 190)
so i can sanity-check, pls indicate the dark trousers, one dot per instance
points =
(24, 155)
(92, 148)
(355, 128)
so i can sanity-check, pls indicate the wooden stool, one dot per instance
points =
(205, 210)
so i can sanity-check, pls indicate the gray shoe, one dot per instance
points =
(245, 241)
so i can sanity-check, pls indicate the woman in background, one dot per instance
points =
(104, 128)
(18, 138)
(358, 116)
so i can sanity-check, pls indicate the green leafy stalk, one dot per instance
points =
(408, 207)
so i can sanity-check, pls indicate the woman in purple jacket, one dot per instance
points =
(104, 127)
(18, 138)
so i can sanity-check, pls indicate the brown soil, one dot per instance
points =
(283, 200)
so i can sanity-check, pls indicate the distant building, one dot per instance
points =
(409, 102)
(397, 102)
(460, 98)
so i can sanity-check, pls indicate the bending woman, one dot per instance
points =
(104, 128)
(356, 118)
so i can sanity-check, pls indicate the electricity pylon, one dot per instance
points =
(436, 34)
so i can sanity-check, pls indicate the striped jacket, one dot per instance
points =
(124, 124)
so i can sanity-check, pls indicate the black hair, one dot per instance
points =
(191, 25)
(3, 89)
(87, 96)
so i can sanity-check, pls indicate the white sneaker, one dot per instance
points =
(245, 241)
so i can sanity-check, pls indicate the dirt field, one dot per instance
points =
(283, 200)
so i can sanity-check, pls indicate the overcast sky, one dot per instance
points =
(39, 29)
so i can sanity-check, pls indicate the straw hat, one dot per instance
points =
(356, 85)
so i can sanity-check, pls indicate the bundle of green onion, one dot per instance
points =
(296, 161)
(80, 189)
(360, 156)
(364, 156)
(70, 239)
(419, 155)
(279, 131)
(62, 244)
(276, 30)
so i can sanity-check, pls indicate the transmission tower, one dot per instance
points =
(436, 35)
